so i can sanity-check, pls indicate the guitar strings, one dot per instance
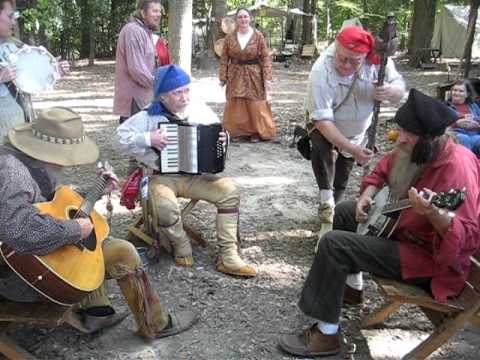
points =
(95, 194)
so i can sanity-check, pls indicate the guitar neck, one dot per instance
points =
(93, 195)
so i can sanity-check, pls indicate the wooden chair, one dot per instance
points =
(447, 318)
(43, 314)
(308, 51)
(144, 228)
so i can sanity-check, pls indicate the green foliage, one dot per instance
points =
(57, 24)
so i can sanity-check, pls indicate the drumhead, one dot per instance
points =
(228, 25)
(36, 69)
(218, 47)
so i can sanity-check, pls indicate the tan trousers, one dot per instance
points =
(249, 117)
(220, 191)
(123, 264)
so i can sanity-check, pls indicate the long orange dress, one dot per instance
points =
(247, 111)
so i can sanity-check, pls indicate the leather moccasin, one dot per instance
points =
(310, 342)
(178, 322)
(89, 324)
(244, 271)
(186, 261)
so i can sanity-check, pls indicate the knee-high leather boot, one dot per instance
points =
(144, 303)
(229, 262)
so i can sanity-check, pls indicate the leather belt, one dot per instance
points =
(245, 62)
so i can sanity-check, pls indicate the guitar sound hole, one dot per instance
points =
(90, 242)
(72, 213)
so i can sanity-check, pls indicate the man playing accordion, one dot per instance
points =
(141, 137)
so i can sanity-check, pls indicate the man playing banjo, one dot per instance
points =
(11, 112)
(432, 247)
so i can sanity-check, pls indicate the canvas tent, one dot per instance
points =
(450, 32)
(261, 9)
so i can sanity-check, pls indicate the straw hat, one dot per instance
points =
(56, 137)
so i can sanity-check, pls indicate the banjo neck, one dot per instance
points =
(449, 200)
(396, 206)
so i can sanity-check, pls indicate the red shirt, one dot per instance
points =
(462, 109)
(163, 54)
(455, 168)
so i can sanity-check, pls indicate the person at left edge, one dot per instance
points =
(11, 112)
(30, 159)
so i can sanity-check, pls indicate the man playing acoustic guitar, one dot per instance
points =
(34, 153)
(433, 245)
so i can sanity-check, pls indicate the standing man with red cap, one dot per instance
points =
(430, 247)
(340, 97)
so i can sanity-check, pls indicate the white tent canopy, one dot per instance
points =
(269, 11)
(450, 32)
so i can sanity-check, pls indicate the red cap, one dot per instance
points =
(356, 39)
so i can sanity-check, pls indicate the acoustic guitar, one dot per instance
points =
(383, 217)
(70, 272)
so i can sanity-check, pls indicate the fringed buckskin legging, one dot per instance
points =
(123, 264)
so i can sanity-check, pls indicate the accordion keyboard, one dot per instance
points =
(170, 155)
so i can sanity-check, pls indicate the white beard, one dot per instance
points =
(403, 174)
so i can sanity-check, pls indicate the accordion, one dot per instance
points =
(192, 149)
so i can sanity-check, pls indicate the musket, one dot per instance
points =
(386, 45)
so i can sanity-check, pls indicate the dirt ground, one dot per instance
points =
(239, 319)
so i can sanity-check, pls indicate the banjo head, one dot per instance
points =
(37, 69)
(375, 212)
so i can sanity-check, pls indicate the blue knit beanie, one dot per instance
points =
(167, 78)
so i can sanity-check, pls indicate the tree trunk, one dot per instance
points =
(180, 33)
(16, 29)
(313, 21)
(472, 21)
(297, 25)
(307, 23)
(85, 25)
(113, 28)
(328, 22)
(91, 54)
(421, 31)
(219, 9)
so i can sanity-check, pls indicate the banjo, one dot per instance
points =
(383, 217)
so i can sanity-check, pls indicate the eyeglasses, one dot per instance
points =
(355, 62)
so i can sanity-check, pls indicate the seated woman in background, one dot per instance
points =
(467, 127)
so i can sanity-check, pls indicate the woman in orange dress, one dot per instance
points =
(246, 69)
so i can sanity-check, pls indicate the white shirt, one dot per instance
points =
(244, 38)
(133, 135)
(326, 89)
